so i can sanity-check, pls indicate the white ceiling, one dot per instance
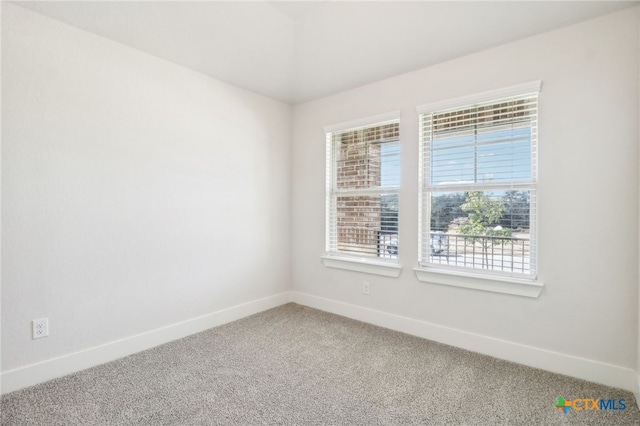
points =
(303, 50)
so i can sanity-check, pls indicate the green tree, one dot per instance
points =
(484, 221)
(389, 216)
(516, 209)
(444, 208)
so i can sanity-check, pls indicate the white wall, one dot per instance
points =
(588, 195)
(136, 193)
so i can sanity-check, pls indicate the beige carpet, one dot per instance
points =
(294, 366)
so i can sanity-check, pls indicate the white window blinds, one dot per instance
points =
(363, 182)
(478, 180)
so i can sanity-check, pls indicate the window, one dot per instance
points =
(478, 162)
(362, 185)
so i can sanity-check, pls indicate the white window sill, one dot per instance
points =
(518, 287)
(362, 265)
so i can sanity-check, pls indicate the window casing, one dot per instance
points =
(478, 175)
(362, 190)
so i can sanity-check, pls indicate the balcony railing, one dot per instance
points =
(387, 245)
(507, 254)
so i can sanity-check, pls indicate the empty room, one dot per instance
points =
(320, 212)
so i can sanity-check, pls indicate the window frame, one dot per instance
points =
(341, 260)
(474, 278)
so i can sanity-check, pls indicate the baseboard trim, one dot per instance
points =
(40, 372)
(569, 365)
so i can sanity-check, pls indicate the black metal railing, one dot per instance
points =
(388, 245)
(507, 254)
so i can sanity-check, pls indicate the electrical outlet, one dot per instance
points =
(40, 328)
(365, 287)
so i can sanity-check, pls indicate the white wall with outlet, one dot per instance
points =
(136, 193)
(39, 328)
(588, 203)
(139, 195)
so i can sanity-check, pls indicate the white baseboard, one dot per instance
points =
(57, 367)
(582, 368)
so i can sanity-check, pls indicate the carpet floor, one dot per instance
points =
(294, 365)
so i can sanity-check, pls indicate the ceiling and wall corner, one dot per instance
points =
(588, 163)
(149, 136)
(299, 51)
(130, 187)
